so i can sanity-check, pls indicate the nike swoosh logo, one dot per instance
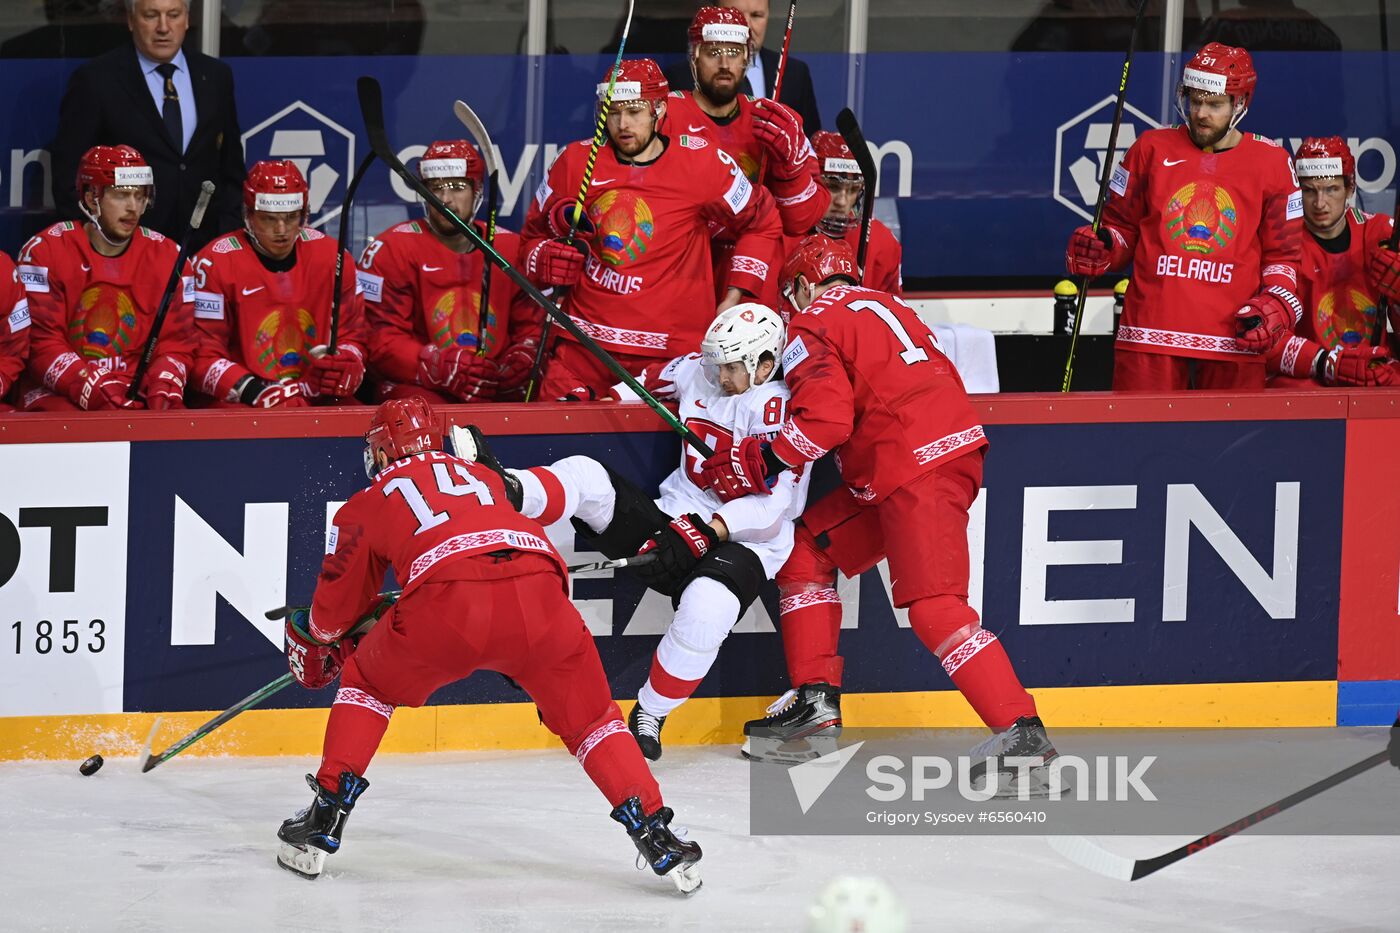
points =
(603, 181)
(1172, 161)
(427, 268)
(699, 404)
(696, 129)
(250, 291)
(86, 267)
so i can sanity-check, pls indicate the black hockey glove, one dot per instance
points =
(678, 548)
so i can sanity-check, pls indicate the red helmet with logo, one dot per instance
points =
(720, 24)
(1328, 157)
(637, 79)
(276, 186)
(834, 156)
(103, 167)
(401, 427)
(819, 258)
(1220, 69)
(453, 158)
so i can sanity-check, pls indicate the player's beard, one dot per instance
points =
(636, 146)
(720, 95)
(1207, 139)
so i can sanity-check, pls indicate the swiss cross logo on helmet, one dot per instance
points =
(322, 149)
(748, 315)
(1081, 149)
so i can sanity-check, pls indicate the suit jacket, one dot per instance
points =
(797, 85)
(107, 103)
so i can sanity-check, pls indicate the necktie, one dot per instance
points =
(170, 108)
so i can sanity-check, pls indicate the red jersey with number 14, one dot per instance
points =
(869, 380)
(423, 515)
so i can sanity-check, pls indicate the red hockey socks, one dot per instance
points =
(612, 760)
(353, 733)
(973, 658)
(811, 624)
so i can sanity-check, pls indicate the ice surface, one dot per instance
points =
(522, 841)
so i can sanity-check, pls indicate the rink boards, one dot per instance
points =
(1211, 560)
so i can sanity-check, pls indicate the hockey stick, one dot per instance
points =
(1090, 855)
(473, 123)
(599, 130)
(206, 191)
(1103, 191)
(340, 251)
(372, 109)
(778, 78)
(849, 127)
(251, 700)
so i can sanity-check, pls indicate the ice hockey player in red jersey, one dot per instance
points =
(1341, 339)
(14, 330)
(639, 276)
(840, 175)
(711, 556)
(263, 305)
(94, 290)
(422, 283)
(869, 381)
(1211, 219)
(482, 589)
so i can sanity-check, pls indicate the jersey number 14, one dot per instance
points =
(447, 485)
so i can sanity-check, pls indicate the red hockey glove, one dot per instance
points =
(337, 376)
(678, 548)
(312, 663)
(1268, 318)
(164, 384)
(458, 372)
(1090, 254)
(778, 129)
(561, 220)
(738, 471)
(1356, 366)
(100, 390)
(554, 262)
(1385, 273)
(515, 364)
(263, 394)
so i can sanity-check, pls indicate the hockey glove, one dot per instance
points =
(312, 663)
(778, 129)
(260, 393)
(1385, 273)
(678, 548)
(1355, 366)
(1090, 254)
(164, 384)
(561, 221)
(739, 471)
(458, 372)
(580, 394)
(554, 262)
(337, 376)
(516, 363)
(101, 390)
(1266, 320)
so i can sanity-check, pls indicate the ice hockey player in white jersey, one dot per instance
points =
(711, 556)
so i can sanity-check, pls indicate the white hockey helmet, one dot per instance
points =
(742, 334)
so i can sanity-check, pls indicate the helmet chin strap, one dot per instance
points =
(96, 219)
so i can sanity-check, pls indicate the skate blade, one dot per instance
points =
(686, 878)
(1040, 786)
(306, 862)
(796, 751)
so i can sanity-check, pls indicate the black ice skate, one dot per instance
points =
(470, 444)
(647, 730)
(314, 833)
(666, 851)
(1025, 739)
(802, 725)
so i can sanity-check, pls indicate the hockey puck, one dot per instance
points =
(91, 766)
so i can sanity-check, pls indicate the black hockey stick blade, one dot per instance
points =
(849, 128)
(341, 240)
(1088, 854)
(372, 111)
(638, 561)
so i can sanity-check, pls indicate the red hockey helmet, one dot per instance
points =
(834, 156)
(103, 167)
(637, 79)
(1325, 157)
(1220, 69)
(276, 186)
(455, 158)
(720, 24)
(401, 427)
(819, 259)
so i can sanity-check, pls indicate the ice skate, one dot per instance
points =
(469, 443)
(314, 833)
(1025, 739)
(667, 851)
(647, 730)
(802, 725)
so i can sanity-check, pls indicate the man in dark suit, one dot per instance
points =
(758, 81)
(175, 107)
